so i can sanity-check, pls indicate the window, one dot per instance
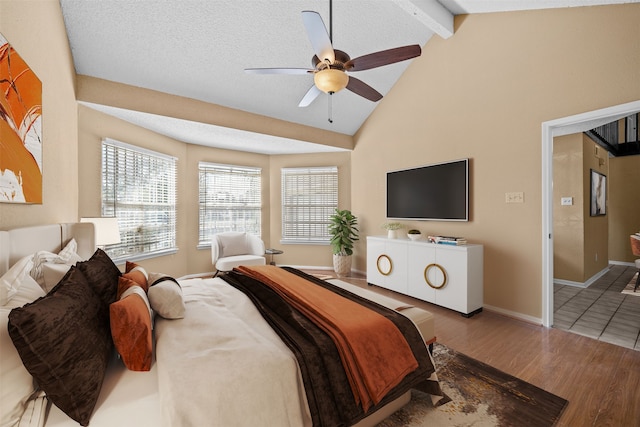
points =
(139, 188)
(309, 197)
(230, 200)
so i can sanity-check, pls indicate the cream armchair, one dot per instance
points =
(232, 249)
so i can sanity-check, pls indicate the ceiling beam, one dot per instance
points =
(431, 13)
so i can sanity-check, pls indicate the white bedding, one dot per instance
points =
(252, 378)
(127, 398)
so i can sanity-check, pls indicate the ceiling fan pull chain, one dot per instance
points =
(330, 97)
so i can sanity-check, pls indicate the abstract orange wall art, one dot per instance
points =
(20, 129)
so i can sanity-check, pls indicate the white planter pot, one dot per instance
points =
(392, 234)
(342, 264)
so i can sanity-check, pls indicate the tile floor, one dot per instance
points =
(601, 311)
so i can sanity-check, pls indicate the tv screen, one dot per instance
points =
(432, 192)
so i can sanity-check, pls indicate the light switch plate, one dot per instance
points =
(566, 201)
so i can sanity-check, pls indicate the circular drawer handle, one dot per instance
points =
(386, 269)
(426, 276)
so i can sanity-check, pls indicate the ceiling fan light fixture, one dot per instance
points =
(331, 80)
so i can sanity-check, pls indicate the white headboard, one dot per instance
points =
(20, 242)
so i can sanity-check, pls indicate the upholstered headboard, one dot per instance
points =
(20, 242)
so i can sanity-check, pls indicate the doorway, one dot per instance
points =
(550, 129)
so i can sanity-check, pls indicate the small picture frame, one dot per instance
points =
(598, 193)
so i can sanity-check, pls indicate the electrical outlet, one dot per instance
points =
(514, 197)
(566, 201)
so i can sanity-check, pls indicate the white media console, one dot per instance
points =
(446, 275)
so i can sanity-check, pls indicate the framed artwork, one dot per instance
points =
(598, 193)
(20, 129)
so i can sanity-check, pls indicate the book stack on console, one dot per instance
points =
(447, 240)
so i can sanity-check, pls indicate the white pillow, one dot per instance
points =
(17, 382)
(13, 278)
(39, 259)
(67, 256)
(29, 292)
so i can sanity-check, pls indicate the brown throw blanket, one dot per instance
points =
(375, 354)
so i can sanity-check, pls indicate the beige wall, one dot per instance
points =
(624, 206)
(483, 94)
(99, 91)
(568, 221)
(596, 228)
(36, 30)
(94, 126)
(584, 245)
(307, 255)
(199, 260)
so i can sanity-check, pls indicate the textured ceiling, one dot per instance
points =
(199, 48)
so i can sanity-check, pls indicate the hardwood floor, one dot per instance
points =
(601, 381)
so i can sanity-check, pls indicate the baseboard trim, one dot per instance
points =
(583, 285)
(628, 264)
(514, 314)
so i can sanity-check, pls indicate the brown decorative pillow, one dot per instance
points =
(131, 329)
(102, 275)
(64, 342)
(135, 273)
(125, 283)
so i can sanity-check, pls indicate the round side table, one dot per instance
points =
(271, 252)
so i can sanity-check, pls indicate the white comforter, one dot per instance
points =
(222, 365)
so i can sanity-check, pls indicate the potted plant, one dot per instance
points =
(414, 234)
(344, 233)
(392, 229)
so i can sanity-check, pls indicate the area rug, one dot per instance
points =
(481, 396)
(629, 288)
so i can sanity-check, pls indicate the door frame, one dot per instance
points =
(550, 129)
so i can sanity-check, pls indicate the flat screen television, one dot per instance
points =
(438, 192)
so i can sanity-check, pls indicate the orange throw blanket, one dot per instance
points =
(375, 354)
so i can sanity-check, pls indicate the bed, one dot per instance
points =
(222, 342)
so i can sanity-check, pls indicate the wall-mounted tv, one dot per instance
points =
(438, 192)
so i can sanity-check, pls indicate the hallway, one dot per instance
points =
(601, 311)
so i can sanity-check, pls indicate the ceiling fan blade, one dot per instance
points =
(384, 57)
(318, 36)
(278, 70)
(364, 90)
(310, 96)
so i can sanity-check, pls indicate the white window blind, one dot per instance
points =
(230, 200)
(139, 188)
(309, 197)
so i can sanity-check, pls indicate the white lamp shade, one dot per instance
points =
(106, 229)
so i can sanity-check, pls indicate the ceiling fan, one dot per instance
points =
(330, 66)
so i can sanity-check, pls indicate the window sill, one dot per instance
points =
(139, 257)
(305, 242)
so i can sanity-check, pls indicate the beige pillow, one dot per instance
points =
(165, 296)
(52, 273)
(233, 244)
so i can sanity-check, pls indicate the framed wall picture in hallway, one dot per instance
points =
(598, 193)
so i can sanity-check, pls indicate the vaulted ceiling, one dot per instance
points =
(199, 49)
